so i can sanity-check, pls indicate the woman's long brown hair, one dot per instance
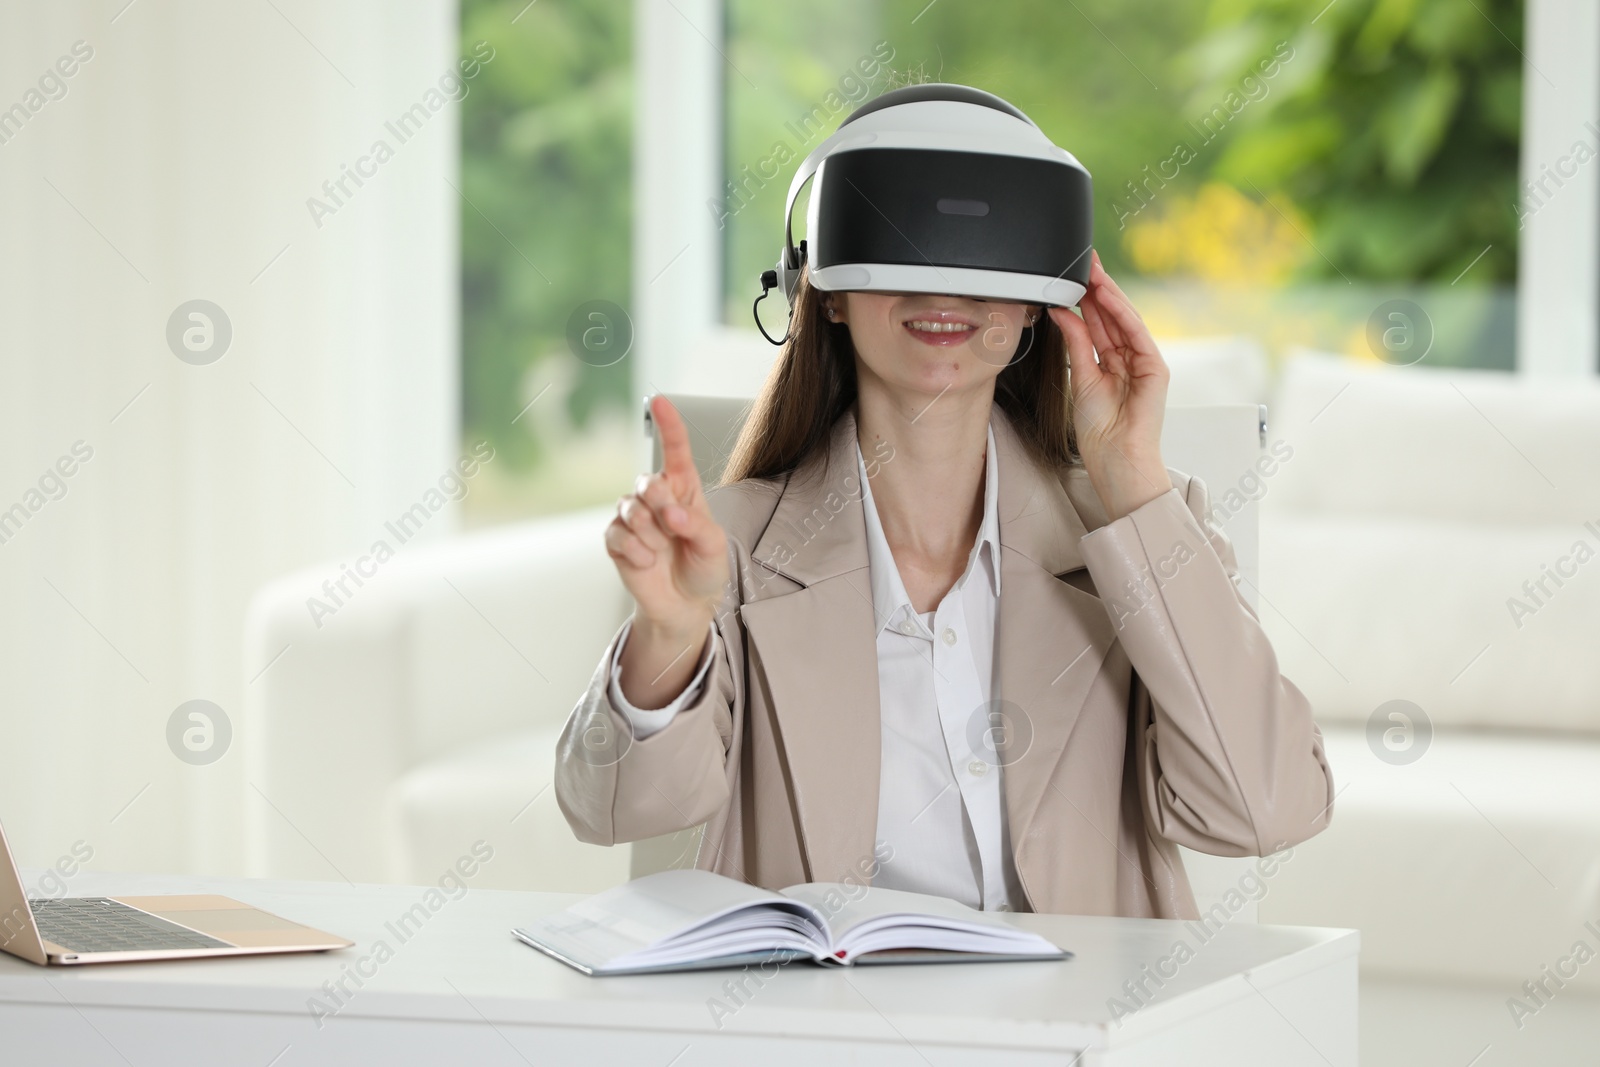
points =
(813, 383)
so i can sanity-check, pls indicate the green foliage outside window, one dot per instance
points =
(546, 147)
(1395, 130)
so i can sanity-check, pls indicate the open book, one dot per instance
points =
(684, 920)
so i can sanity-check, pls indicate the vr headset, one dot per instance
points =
(939, 188)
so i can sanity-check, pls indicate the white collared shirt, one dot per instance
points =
(940, 804)
(941, 808)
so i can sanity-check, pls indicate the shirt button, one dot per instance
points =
(908, 627)
(949, 636)
(978, 768)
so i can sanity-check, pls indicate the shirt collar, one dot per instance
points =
(890, 603)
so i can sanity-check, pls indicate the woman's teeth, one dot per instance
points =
(939, 327)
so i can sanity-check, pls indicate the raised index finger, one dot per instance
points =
(677, 459)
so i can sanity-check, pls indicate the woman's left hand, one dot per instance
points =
(1117, 402)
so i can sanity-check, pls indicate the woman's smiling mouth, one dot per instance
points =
(940, 328)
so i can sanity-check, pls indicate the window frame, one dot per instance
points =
(1558, 256)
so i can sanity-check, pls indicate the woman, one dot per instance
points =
(942, 628)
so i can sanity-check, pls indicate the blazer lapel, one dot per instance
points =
(1051, 637)
(818, 653)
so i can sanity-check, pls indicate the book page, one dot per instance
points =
(866, 919)
(847, 906)
(669, 914)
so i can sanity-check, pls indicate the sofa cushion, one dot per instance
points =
(498, 791)
(1435, 536)
(1478, 862)
(1363, 609)
(1470, 445)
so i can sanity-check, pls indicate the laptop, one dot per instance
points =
(74, 930)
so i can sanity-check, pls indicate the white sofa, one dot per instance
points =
(1416, 504)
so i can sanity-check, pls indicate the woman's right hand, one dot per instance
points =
(673, 557)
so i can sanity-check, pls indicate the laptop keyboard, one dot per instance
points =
(96, 924)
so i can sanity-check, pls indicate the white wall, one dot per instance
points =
(178, 166)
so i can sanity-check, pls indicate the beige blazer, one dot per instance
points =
(1144, 704)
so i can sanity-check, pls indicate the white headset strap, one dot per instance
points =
(808, 167)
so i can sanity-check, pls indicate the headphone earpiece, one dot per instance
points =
(785, 276)
(789, 275)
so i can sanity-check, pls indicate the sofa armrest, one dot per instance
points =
(323, 734)
(441, 647)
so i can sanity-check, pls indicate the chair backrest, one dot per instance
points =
(714, 423)
(1220, 445)
(1223, 447)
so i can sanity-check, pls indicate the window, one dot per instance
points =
(545, 231)
(1260, 167)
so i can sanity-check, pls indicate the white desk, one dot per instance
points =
(461, 990)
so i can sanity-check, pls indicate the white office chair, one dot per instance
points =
(1220, 445)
